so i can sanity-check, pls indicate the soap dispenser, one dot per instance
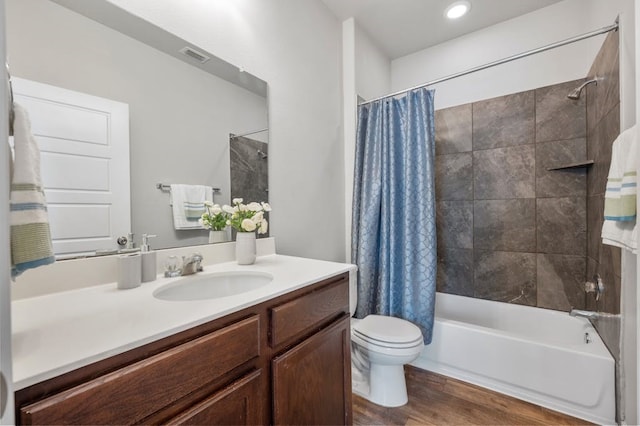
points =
(149, 270)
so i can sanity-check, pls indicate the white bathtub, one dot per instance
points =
(537, 355)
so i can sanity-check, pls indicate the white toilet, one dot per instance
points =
(380, 346)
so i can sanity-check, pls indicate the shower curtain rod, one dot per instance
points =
(232, 135)
(603, 30)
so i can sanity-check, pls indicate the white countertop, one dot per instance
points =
(60, 332)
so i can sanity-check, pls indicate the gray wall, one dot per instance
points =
(509, 229)
(181, 117)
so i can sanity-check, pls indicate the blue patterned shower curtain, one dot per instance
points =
(394, 220)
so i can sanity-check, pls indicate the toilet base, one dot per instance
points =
(387, 386)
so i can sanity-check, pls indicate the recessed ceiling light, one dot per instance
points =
(457, 9)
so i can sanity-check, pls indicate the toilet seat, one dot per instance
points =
(377, 343)
(387, 332)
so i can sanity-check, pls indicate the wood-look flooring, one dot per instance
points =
(440, 400)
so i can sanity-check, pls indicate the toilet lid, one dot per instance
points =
(387, 329)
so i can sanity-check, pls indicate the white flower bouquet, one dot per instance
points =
(247, 217)
(215, 218)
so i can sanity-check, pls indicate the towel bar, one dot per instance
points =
(167, 187)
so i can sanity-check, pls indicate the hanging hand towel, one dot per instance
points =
(619, 228)
(30, 234)
(620, 196)
(188, 205)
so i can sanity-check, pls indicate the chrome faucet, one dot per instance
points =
(592, 315)
(191, 264)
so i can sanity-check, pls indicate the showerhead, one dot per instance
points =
(263, 155)
(575, 93)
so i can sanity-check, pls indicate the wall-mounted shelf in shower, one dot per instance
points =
(586, 163)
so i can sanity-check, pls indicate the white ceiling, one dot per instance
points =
(401, 27)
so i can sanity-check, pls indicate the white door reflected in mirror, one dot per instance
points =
(84, 152)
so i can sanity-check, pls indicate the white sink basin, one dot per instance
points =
(212, 286)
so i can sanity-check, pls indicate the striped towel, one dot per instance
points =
(619, 228)
(187, 202)
(193, 211)
(620, 195)
(30, 235)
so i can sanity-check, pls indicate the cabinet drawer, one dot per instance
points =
(299, 316)
(238, 404)
(134, 392)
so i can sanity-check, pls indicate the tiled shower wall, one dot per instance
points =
(511, 230)
(508, 228)
(603, 122)
(603, 126)
(249, 170)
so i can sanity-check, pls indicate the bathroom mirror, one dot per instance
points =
(182, 112)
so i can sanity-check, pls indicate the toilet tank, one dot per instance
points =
(353, 292)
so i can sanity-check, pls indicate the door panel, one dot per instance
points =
(84, 144)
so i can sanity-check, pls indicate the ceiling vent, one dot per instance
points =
(194, 54)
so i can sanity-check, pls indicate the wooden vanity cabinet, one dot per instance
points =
(311, 375)
(284, 361)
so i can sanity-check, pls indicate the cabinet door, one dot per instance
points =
(312, 381)
(238, 404)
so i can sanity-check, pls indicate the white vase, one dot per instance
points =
(245, 248)
(217, 236)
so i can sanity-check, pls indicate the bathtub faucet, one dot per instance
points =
(592, 315)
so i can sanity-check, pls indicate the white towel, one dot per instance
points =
(30, 234)
(620, 234)
(187, 203)
(619, 227)
(620, 196)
